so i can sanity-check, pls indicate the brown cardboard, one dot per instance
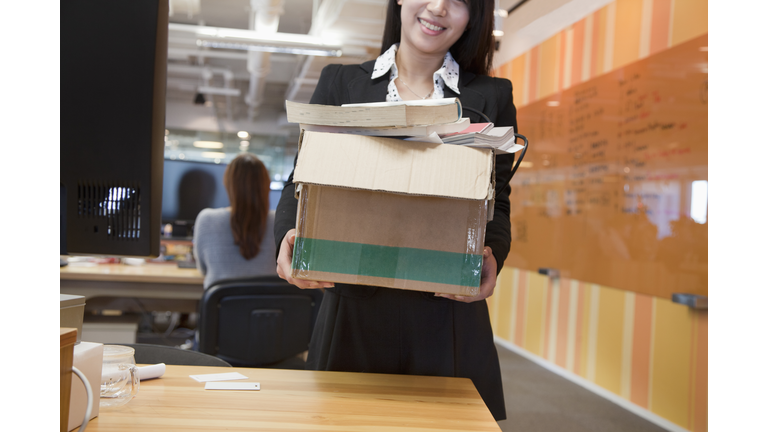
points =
(393, 165)
(391, 213)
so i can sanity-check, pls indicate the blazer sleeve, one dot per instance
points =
(326, 93)
(498, 230)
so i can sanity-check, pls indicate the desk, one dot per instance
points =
(301, 400)
(173, 288)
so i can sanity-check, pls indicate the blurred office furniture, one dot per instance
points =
(261, 322)
(159, 286)
(120, 297)
(154, 354)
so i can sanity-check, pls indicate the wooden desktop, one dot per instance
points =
(302, 401)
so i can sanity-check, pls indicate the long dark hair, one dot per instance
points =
(247, 182)
(474, 49)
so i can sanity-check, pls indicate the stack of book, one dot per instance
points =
(433, 120)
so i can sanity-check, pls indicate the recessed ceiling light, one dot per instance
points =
(208, 144)
(553, 103)
(243, 135)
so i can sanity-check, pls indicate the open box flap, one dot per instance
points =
(392, 165)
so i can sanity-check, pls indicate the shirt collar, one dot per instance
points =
(448, 72)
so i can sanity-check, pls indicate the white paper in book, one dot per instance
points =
(402, 131)
(418, 102)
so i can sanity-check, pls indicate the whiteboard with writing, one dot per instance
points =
(613, 190)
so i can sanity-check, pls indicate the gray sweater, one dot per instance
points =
(217, 255)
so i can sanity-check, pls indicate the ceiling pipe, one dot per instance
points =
(264, 19)
(324, 15)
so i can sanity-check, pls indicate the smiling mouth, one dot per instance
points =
(430, 26)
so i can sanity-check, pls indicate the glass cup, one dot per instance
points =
(119, 376)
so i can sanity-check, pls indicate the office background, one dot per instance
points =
(643, 349)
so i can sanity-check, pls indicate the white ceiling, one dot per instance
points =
(357, 24)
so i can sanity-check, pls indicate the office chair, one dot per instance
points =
(262, 322)
(153, 354)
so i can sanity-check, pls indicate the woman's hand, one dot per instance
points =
(284, 259)
(487, 280)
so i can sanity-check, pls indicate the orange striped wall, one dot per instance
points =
(646, 350)
(617, 34)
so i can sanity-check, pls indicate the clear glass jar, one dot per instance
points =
(119, 376)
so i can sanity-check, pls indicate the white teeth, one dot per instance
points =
(430, 26)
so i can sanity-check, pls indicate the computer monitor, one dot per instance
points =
(191, 186)
(188, 188)
(113, 78)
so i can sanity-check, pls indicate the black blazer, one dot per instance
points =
(342, 84)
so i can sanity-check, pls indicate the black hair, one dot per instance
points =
(474, 49)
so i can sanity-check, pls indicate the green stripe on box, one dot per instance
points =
(387, 262)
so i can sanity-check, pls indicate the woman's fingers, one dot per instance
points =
(284, 258)
(487, 280)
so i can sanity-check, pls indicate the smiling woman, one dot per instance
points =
(440, 48)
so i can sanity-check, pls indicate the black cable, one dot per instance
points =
(522, 152)
(466, 108)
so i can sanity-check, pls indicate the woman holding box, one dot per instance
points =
(430, 49)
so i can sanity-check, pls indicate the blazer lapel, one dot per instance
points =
(363, 89)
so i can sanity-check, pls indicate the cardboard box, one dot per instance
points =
(391, 213)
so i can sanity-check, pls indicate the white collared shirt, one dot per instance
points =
(447, 75)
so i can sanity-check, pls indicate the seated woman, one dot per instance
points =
(237, 242)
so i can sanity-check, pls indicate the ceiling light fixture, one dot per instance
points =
(221, 91)
(270, 48)
(208, 144)
(243, 135)
(250, 40)
(199, 99)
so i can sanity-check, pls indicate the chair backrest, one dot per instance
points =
(257, 322)
(153, 354)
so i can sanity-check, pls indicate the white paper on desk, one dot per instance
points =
(218, 377)
(232, 386)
